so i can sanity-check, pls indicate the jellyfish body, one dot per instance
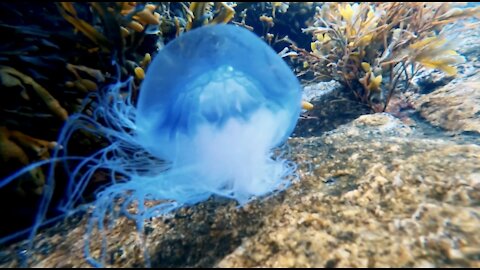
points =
(216, 101)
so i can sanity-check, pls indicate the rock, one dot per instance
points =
(385, 219)
(455, 106)
(467, 38)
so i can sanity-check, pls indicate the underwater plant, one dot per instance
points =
(372, 47)
(54, 55)
(202, 13)
(206, 123)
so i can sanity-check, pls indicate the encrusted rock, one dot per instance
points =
(455, 107)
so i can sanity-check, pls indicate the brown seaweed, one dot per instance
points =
(372, 47)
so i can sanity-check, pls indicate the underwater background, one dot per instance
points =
(232, 134)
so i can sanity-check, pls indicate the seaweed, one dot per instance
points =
(55, 55)
(372, 48)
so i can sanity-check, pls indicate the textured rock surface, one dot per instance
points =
(372, 193)
(455, 106)
(378, 196)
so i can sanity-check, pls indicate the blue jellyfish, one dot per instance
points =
(212, 108)
(214, 103)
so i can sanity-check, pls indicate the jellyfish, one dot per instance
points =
(214, 105)
(217, 101)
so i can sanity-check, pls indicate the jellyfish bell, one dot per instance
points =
(212, 74)
(219, 99)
